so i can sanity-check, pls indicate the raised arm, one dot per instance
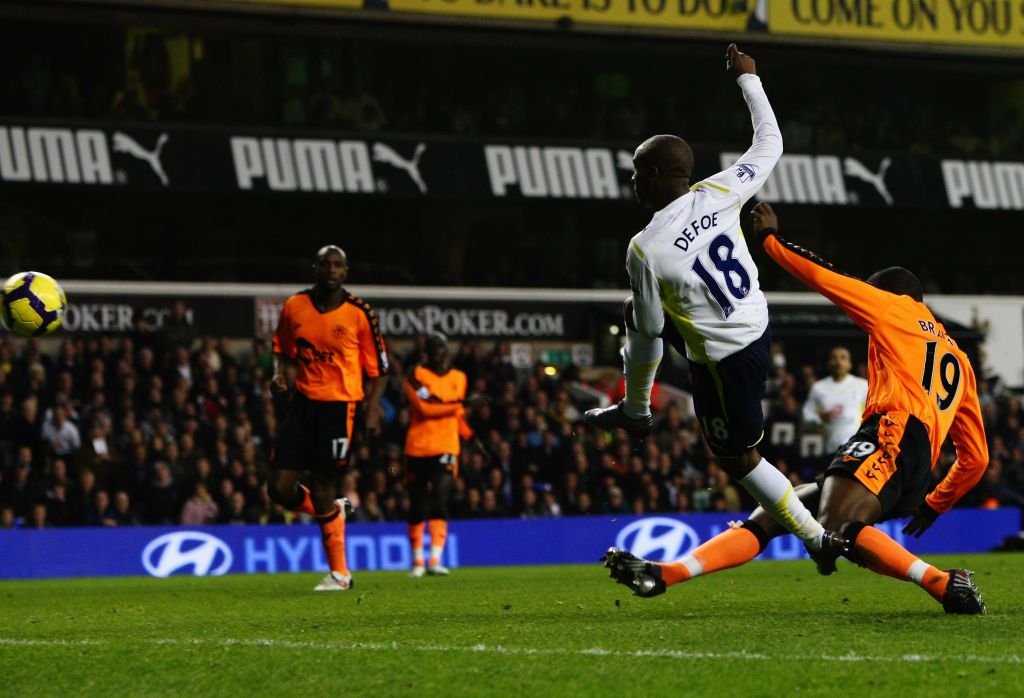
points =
(860, 300)
(746, 177)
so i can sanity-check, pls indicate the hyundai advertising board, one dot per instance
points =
(216, 550)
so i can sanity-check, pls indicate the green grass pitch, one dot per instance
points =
(767, 629)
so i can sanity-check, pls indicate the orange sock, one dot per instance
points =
(728, 549)
(332, 528)
(306, 507)
(438, 534)
(416, 541)
(883, 555)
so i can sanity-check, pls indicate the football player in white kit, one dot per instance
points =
(694, 283)
(836, 402)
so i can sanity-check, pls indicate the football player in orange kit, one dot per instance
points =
(436, 393)
(332, 341)
(921, 388)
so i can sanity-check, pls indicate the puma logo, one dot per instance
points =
(854, 168)
(386, 154)
(124, 143)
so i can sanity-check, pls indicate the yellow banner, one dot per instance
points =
(997, 23)
(720, 15)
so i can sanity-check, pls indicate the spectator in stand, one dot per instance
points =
(162, 499)
(177, 330)
(200, 509)
(121, 513)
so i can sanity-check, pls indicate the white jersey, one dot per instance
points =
(691, 262)
(846, 399)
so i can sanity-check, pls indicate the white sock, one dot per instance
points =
(417, 558)
(640, 362)
(692, 566)
(774, 492)
(917, 571)
(435, 554)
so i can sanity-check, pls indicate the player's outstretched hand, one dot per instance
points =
(764, 217)
(924, 517)
(279, 383)
(737, 64)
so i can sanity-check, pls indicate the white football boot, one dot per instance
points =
(334, 582)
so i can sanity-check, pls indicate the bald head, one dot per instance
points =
(670, 154)
(330, 268)
(328, 249)
(662, 166)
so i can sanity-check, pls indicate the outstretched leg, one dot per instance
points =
(731, 548)
(849, 507)
(736, 546)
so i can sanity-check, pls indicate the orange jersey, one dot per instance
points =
(332, 349)
(913, 366)
(438, 419)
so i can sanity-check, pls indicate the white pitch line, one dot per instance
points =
(527, 651)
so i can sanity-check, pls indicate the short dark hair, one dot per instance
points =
(898, 280)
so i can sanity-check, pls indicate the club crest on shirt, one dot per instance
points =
(744, 172)
(338, 331)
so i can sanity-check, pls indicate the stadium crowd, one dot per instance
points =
(172, 428)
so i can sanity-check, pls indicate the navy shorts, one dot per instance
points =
(314, 435)
(727, 397)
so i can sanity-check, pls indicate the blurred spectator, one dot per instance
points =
(177, 330)
(60, 433)
(162, 499)
(121, 514)
(200, 509)
(129, 102)
(363, 110)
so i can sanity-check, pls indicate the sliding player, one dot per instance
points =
(920, 387)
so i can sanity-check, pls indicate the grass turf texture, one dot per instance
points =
(765, 629)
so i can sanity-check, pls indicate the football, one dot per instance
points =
(33, 304)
